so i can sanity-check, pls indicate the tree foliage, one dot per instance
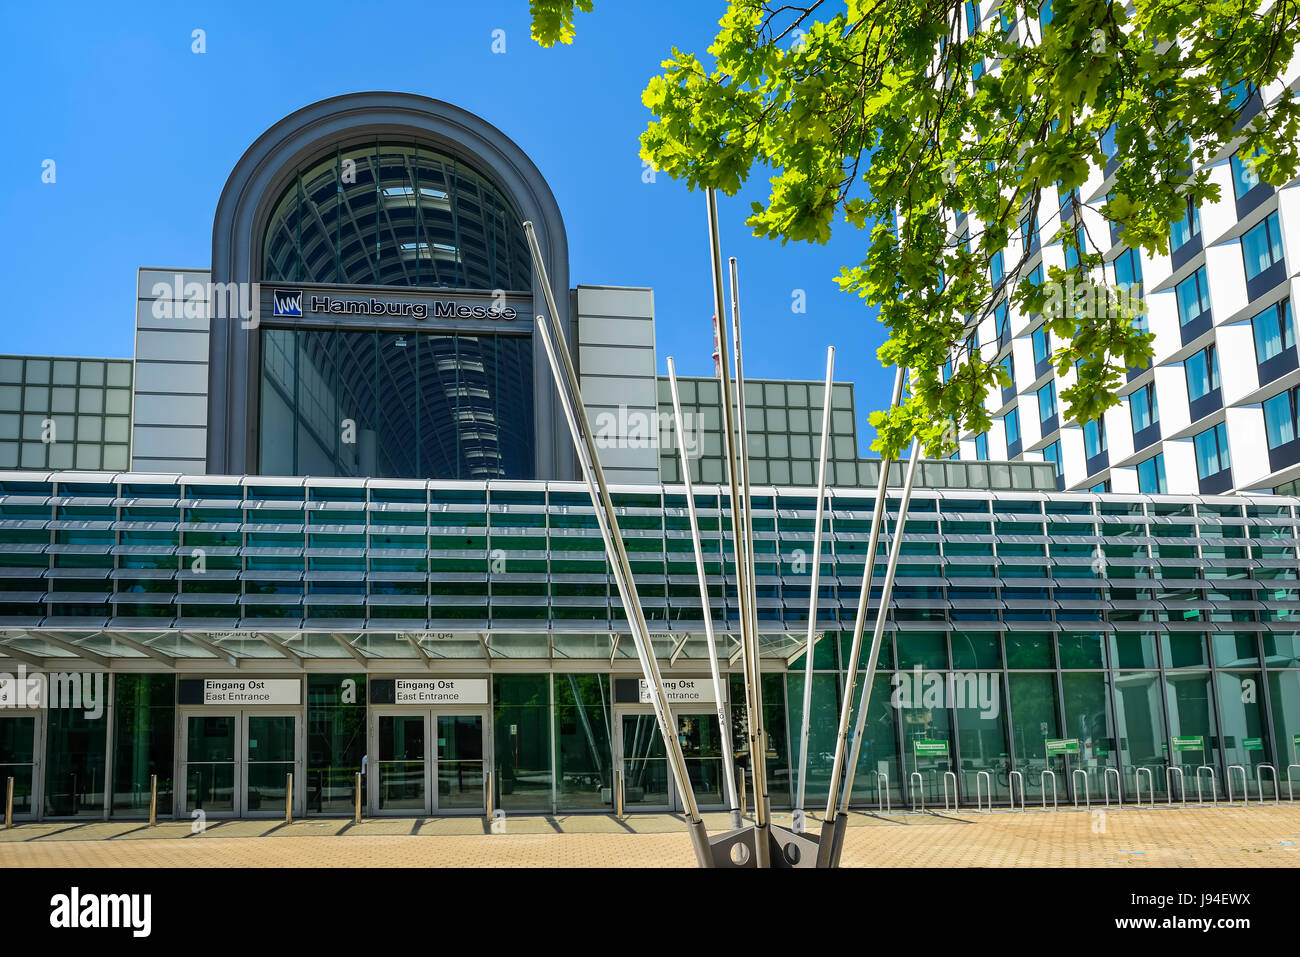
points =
(553, 19)
(1092, 118)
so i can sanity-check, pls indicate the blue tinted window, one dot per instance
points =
(1193, 295)
(1274, 330)
(1244, 171)
(1053, 454)
(1143, 408)
(1047, 402)
(981, 446)
(1128, 270)
(1262, 246)
(1187, 227)
(1012, 422)
(1280, 418)
(1202, 372)
(1151, 475)
(1094, 438)
(1212, 451)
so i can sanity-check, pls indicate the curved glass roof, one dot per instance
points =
(395, 214)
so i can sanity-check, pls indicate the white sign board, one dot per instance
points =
(681, 690)
(440, 691)
(246, 691)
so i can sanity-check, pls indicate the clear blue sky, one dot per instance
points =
(144, 133)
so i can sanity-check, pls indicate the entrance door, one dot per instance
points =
(428, 762)
(237, 763)
(19, 759)
(647, 779)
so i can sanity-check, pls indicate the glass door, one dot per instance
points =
(270, 758)
(645, 764)
(401, 768)
(701, 742)
(210, 766)
(18, 751)
(460, 763)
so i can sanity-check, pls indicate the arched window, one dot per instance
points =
(395, 214)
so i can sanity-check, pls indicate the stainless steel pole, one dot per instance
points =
(815, 582)
(153, 799)
(570, 393)
(859, 626)
(719, 691)
(895, 550)
(9, 803)
(758, 757)
(288, 798)
(356, 817)
(752, 714)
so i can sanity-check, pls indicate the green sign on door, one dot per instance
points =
(1189, 742)
(1253, 744)
(1061, 746)
(933, 749)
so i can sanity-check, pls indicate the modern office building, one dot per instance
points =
(349, 538)
(1216, 408)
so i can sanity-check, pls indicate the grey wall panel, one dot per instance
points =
(176, 442)
(189, 410)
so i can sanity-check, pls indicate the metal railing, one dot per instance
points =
(1182, 785)
(1151, 786)
(1245, 784)
(1119, 786)
(956, 806)
(911, 795)
(1074, 784)
(1214, 784)
(1042, 785)
(882, 793)
(1290, 794)
(1012, 778)
(983, 776)
(1259, 782)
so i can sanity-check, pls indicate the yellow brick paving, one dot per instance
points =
(1257, 836)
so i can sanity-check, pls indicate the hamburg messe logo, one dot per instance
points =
(286, 303)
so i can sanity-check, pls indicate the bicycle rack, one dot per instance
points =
(1042, 784)
(1290, 794)
(1014, 776)
(1214, 785)
(1245, 786)
(1119, 786)
(956, 798)
(985, 776)
(1151, 786)
(1182, 787)
(1087, 798)
(911, 795)
(882, 794)
(1259, 782)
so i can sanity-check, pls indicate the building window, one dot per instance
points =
(1045, 13)
(1280, 418)
(1029, 231)
(1047, 402)
(1151, 475)
(1274, 331)
(1094, 438)
(1202, 372)
(1262, 246)
(1101, 488)
(1244, 175)
(972, 17)
(1128, 272)
(1009, 366)
(1042, 349)
(1142, 407)
(1193, 295)
(1001, 320)
(1053, 454)
(997, 268)
(982, 446)
(1012, 424)
(947, 371)
(1212, 451)
(1182, 232)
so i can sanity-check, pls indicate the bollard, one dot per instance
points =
(153, 799)
(9, 804)
(489, 804)
(288, 798)
(618, 794)
(743, 796)
(356, 819)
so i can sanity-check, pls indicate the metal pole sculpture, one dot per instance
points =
(719, 692)
(566, 381)
(833, 826)
(813, 586)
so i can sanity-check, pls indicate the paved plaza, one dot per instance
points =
(1254, 836)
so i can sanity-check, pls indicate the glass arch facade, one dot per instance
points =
(395, 214)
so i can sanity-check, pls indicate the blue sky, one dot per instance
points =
(144, 132)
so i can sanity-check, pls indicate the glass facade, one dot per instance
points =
(65, 413)
(394, 405)
(395, 214)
